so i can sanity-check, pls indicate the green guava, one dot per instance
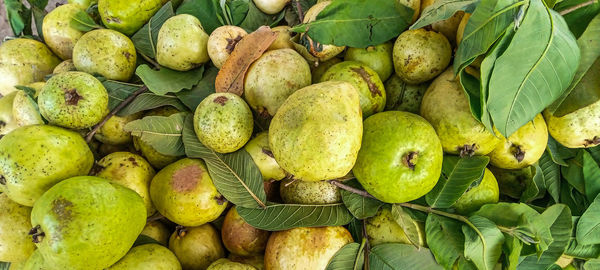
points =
(112, 132)
(284, 38)
(579, 129)
(225, 264)
(15, 245)
(271, 7)
(240, 238)
(148, 256)
(182, 43)
(196, 247)
(261, 154)
(157, 231)
(25, 110)
(59, 35)
(318, 71)
(402, 96)
(129, 16)
(222, 41)
(420, 55)
(258, 261)
(378, 58)
(65, 66)
(486, 192)
(309, 192)
(522, 148)
(36, 262)
(383, 228)
(512, 183)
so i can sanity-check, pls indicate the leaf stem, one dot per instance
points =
(154, 217)
(350, 189)
(576, 7)
(150, 60)
(299, 9)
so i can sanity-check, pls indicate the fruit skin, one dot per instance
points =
(182, 43)
(148, 256)
(184, 193)
(83, 3)
(108, 216)
(64, 66)
(127, 16)
(415, 5)
(318, 71)
(58, 33)
(223, 122)
(105, 52)
(271, 6)
(309, 192)
(420, 55)
(130, 171)
(73, 100)
(486, 192)
(196, 247)
(305, 248)
(15, 243)
(512, 183)
(522, 148)
(36, 262)
(17, 109)
(579, 129)
(378, 58)
(401, 157)
(284, 36)
(382, 228)
(261, 154)
(112, 131)
(155, 158)
(157, 231)
(222, 41)
(456, 127)
(327, 51)
(273, 77)
(240, 238)
(402, 96)
(461, 27)
(225, 264)
(370, 88)
(34, 158)
(258, 261)
(316, 133)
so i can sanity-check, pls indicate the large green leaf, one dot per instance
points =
(582, 251)
(148, 101)
(278, 217)
(512, 249)
(588, 227)
(557, 151)
(443, 9)
(350, 257)
(207, 11)
(410, 226)
(19, 17)
(118, 91)
(445, 239)
(591, 175)
(192, 97)
(457, 175)
(83, 22)
(483, 243)
(578, 19)
(395, 256)
(145, 39)
(161, 132)
(535, 69)
(4, 265)
(551, 174)
(360, 206)
(166, 80)
(535, 186)
(574, 172)
(358, 23)
(592, 264)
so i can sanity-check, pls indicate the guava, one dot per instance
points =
(579, 129)
(522, 148)
(223, 122)
(7, 122)
(65, 66)
(421, 55)
(105, 52)
(129, 170)
(86, 222)
(129, 16)
(315, 135)
(225, 264)
(284, 38)
(17, 265)
(17, 109)
(240, 238)
(157, 231)
(378, 58)
(401, 157)
(148, 256)
(415, 5)
(37, 86)
(364, 79)
(222, 41)
(447, 27)
(34, 158)
(305, 248)
(271, 7)
(74, 100)
(15, 245)
(59, 35)
(317, 52)
(261, 154)
(84, 4)
(196, 247)
(112, 132)
(486, 192)
(512, 183)
(309, 192)
(383, 228)
(320, 69)
(258, 261)
(36, 262)
(461, 27)
(273, 77)
(456, 127)
(184, 193)
(182, 43)
(402, 96)
(155, 158)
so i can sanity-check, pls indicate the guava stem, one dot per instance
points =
(37, 234)
(300, 12)
(351, 189)
(576, 7)
(149, 60)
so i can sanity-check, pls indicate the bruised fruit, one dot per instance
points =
(182, 43)
(86, 222)
(223, 122)
(261, 154)
(59, 35)
(225, 264)
(378, 58)
(316, 52)
(305, 248)
(318, 71)
(383, 228)
(401, 96)
(184, 193)
(271, 6)
(113, 132)
(105, 52)
(148, 256)
(196, 247)
(272, 78)
(522, 148)
(579, 129)
(15, 244)
(316, 133)
(421, 55)
(240, 238)
(74, 100)
(485, 193)
(127, 16)
(365, 80)
(222, 41)
(34, 158)
(155, 158)
(284, 36)
(157, 231)
(401, 157)
(456, 127)
(309, 192)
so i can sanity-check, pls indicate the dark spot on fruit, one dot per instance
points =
(467, 150)
(517, 152)
(593, 141)
(407, 61)
(268, 152)
(127, 55)
(133, 161)
(221, 100)
(62, 208)
(181, 231)
(220, 200)
(113, 19)
(96, 169)
(2, 124)
(186, 179)
(410, 159)
(2, 180)
(36, 234)
(72, 97)
(231, 43)
(372, 87)
(434, 70)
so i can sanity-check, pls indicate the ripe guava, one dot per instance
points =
(309, 192)
(382, 228)
(148, 256)
(579, 129)
(421, 55)
(226, 264)
(402, 96)
(240, 238)
(261, 154)
(522, 148)
(486, 192)
(59, 35)
(196, 247)
(15, 245)
(222, 41)
(378, 58)
(128, 16)
(182, 43)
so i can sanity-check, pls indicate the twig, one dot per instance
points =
(367, 265)
(122, 105)
(300, 12)
(576, 7)
(154, 217)
(351, 189)
(149, 60)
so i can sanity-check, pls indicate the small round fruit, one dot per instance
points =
(272, 78)
(258, 261)
(421, 55)
(378, 58)
(223, 122)
(305, 248)
(370, 88)
(578, 129)
(271, 6)
(15, 243)
(225, 264)
(65, 66)
(318, 71)
(522, 148)
(196, 247)
(184, 193)
(128, 16)
(157, 231)
(113, 132)
(284, 36)
(222, 41)
(324, 51)
(402, 96)
(59, 35)
(107, 53)
(309, 192)
(155, 158)
(261, 154)
(486, 192)
(74, 100)
(148, 256)
(240, 238)
(512, 183)
(182, 43)
(383, 228)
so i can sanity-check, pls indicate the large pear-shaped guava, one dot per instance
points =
(86, 222)
(59, 35)
(127, 16)
(383, 228)
(182, 43)
(240, 238)
(196, 247)
(578, 129)
(316, 133)
(15, 244)
(401, 157)
(522, 148)
(486, 192)
(146, 257)
(261, 154)
(378, 58)
(34, 158)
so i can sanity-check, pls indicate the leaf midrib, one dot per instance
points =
(260, 203)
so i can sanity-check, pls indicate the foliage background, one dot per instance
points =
(5, 28)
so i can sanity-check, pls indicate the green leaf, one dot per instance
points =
(591, 175)
(457, 175)
(278, 217)
(207, 11)
(395, 256)
(238, 10)
(351, 256)
(483, 242)
(83, 22)
(588, 227)
(145, 39)
(445, 239)
(358, 23)
(4, 265)
(118, 91)
(574, 172)
(554, 150)
(535, 187)
(356, 229)
(512, 213)
(592, 264)
(408, 224)
(235, 175)
(512, 249)
(595, 153)
(582, 251)
(148, 101)
(191, 98)
(161, 132)
(19, 17)
(579, 19)
(443, 9)
(551, 175)
(361, 207)
(144, 240)
(167, 80)
(38, 17)
(547, 59)
(256, 18)
(576, 201)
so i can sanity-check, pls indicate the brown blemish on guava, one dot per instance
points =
(186, 179)
(36, 234)
(231, 43)
(410, 159)
(220, 199)
(593, 141)
(72, 97)
(113, 19)
(62, 208)
(2, 124)
(2, 180)
(268, 152)
(133, 161)
(467, 150)
(517, 152)
(221, 100)
(372, 87)
(127, 55)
